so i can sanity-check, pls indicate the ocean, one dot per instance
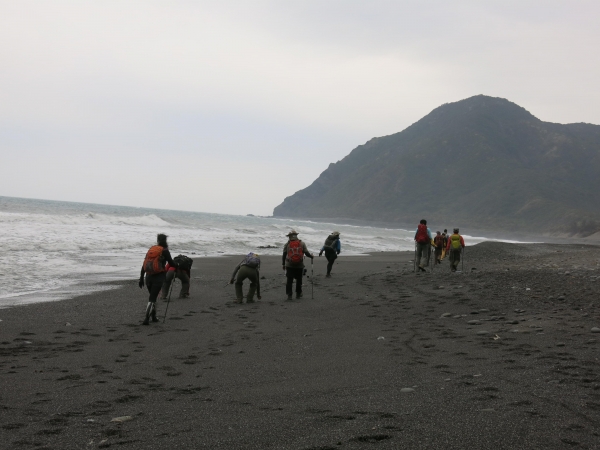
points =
(54, 250)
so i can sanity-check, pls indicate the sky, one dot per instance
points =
(231, 106)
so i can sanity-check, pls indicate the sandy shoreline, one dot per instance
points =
(498, 357)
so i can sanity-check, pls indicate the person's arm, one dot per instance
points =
(305, 250)
(448, 245)
(258, 283)
(235, 271)
(285, 250)
(338, 247)
(415, 238)
(429, 234)
(166, 254)
(322, 250)
(142, 273)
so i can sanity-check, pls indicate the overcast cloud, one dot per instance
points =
(230, 106)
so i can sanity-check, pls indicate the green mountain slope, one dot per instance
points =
(483, 162)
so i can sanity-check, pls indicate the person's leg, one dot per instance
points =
(253, 277)
(167, 284)
(419, 254)
(239, 283)
(185, 284)
(426, 253)
(155, 284)
(289, 273)
(456, 258)
(298, 276)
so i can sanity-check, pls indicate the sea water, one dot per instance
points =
(54, 250)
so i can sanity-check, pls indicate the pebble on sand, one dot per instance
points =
(474, 322)
(407, 390)
(483, 332)
(446, 315)
(595, 330)
(122, 419)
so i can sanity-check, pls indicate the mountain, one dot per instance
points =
(482, 162)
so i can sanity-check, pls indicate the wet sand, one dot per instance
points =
(500, 356)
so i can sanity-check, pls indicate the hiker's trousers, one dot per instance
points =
(293, 273)
(154, 284)
(331, 256)
(185, 282)
(455, 256)
(250, 273)
(423, 250)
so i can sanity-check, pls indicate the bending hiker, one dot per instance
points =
(332, 249)
(293, 263)
(455, 245)
(444, 244)
(182, 272)
(439, 245)
(423, 239)
(248, 268)
(155, 271)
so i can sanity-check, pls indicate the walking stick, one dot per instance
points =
(462, 263)
(169, 300)
(312, 282)
(415, 259)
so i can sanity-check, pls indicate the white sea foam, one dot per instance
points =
(52, 249)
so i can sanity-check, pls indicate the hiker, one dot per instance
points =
(182, 273)
(155, 272)
(439, 245)
(455, 245)
(332, 249)
(293, 263)
(424, 240)
(444, 244)
(248, 268)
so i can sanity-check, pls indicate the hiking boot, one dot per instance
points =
(146, 321)
(238, 300)
(298, 294)
(289, 297)
(328, 275)
(154, 318)
(184, 296)
(250, 301)
(422, 269)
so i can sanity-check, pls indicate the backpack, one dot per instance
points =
(251, 260)
(183, 262)
(455, 239)
(153, 263)
(422, 236)
(330, 241)
(295, 253)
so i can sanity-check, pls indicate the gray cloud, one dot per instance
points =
(99, 94)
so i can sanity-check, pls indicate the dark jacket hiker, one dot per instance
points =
(332, 249)
(155, 272)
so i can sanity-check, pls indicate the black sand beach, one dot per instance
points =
(502, 356)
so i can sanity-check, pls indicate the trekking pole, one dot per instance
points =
(415, 259)
(312, 282)
(169, 300)
(462, 263)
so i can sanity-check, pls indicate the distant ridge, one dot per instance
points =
(482, 162)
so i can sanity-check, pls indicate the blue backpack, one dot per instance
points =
(251, 260)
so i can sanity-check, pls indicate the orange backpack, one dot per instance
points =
(295, 253)
(153, 263)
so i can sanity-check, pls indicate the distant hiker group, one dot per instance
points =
(442, 245)
(159, 269)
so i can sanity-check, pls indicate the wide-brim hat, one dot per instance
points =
(292, 233)
(336, 233)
